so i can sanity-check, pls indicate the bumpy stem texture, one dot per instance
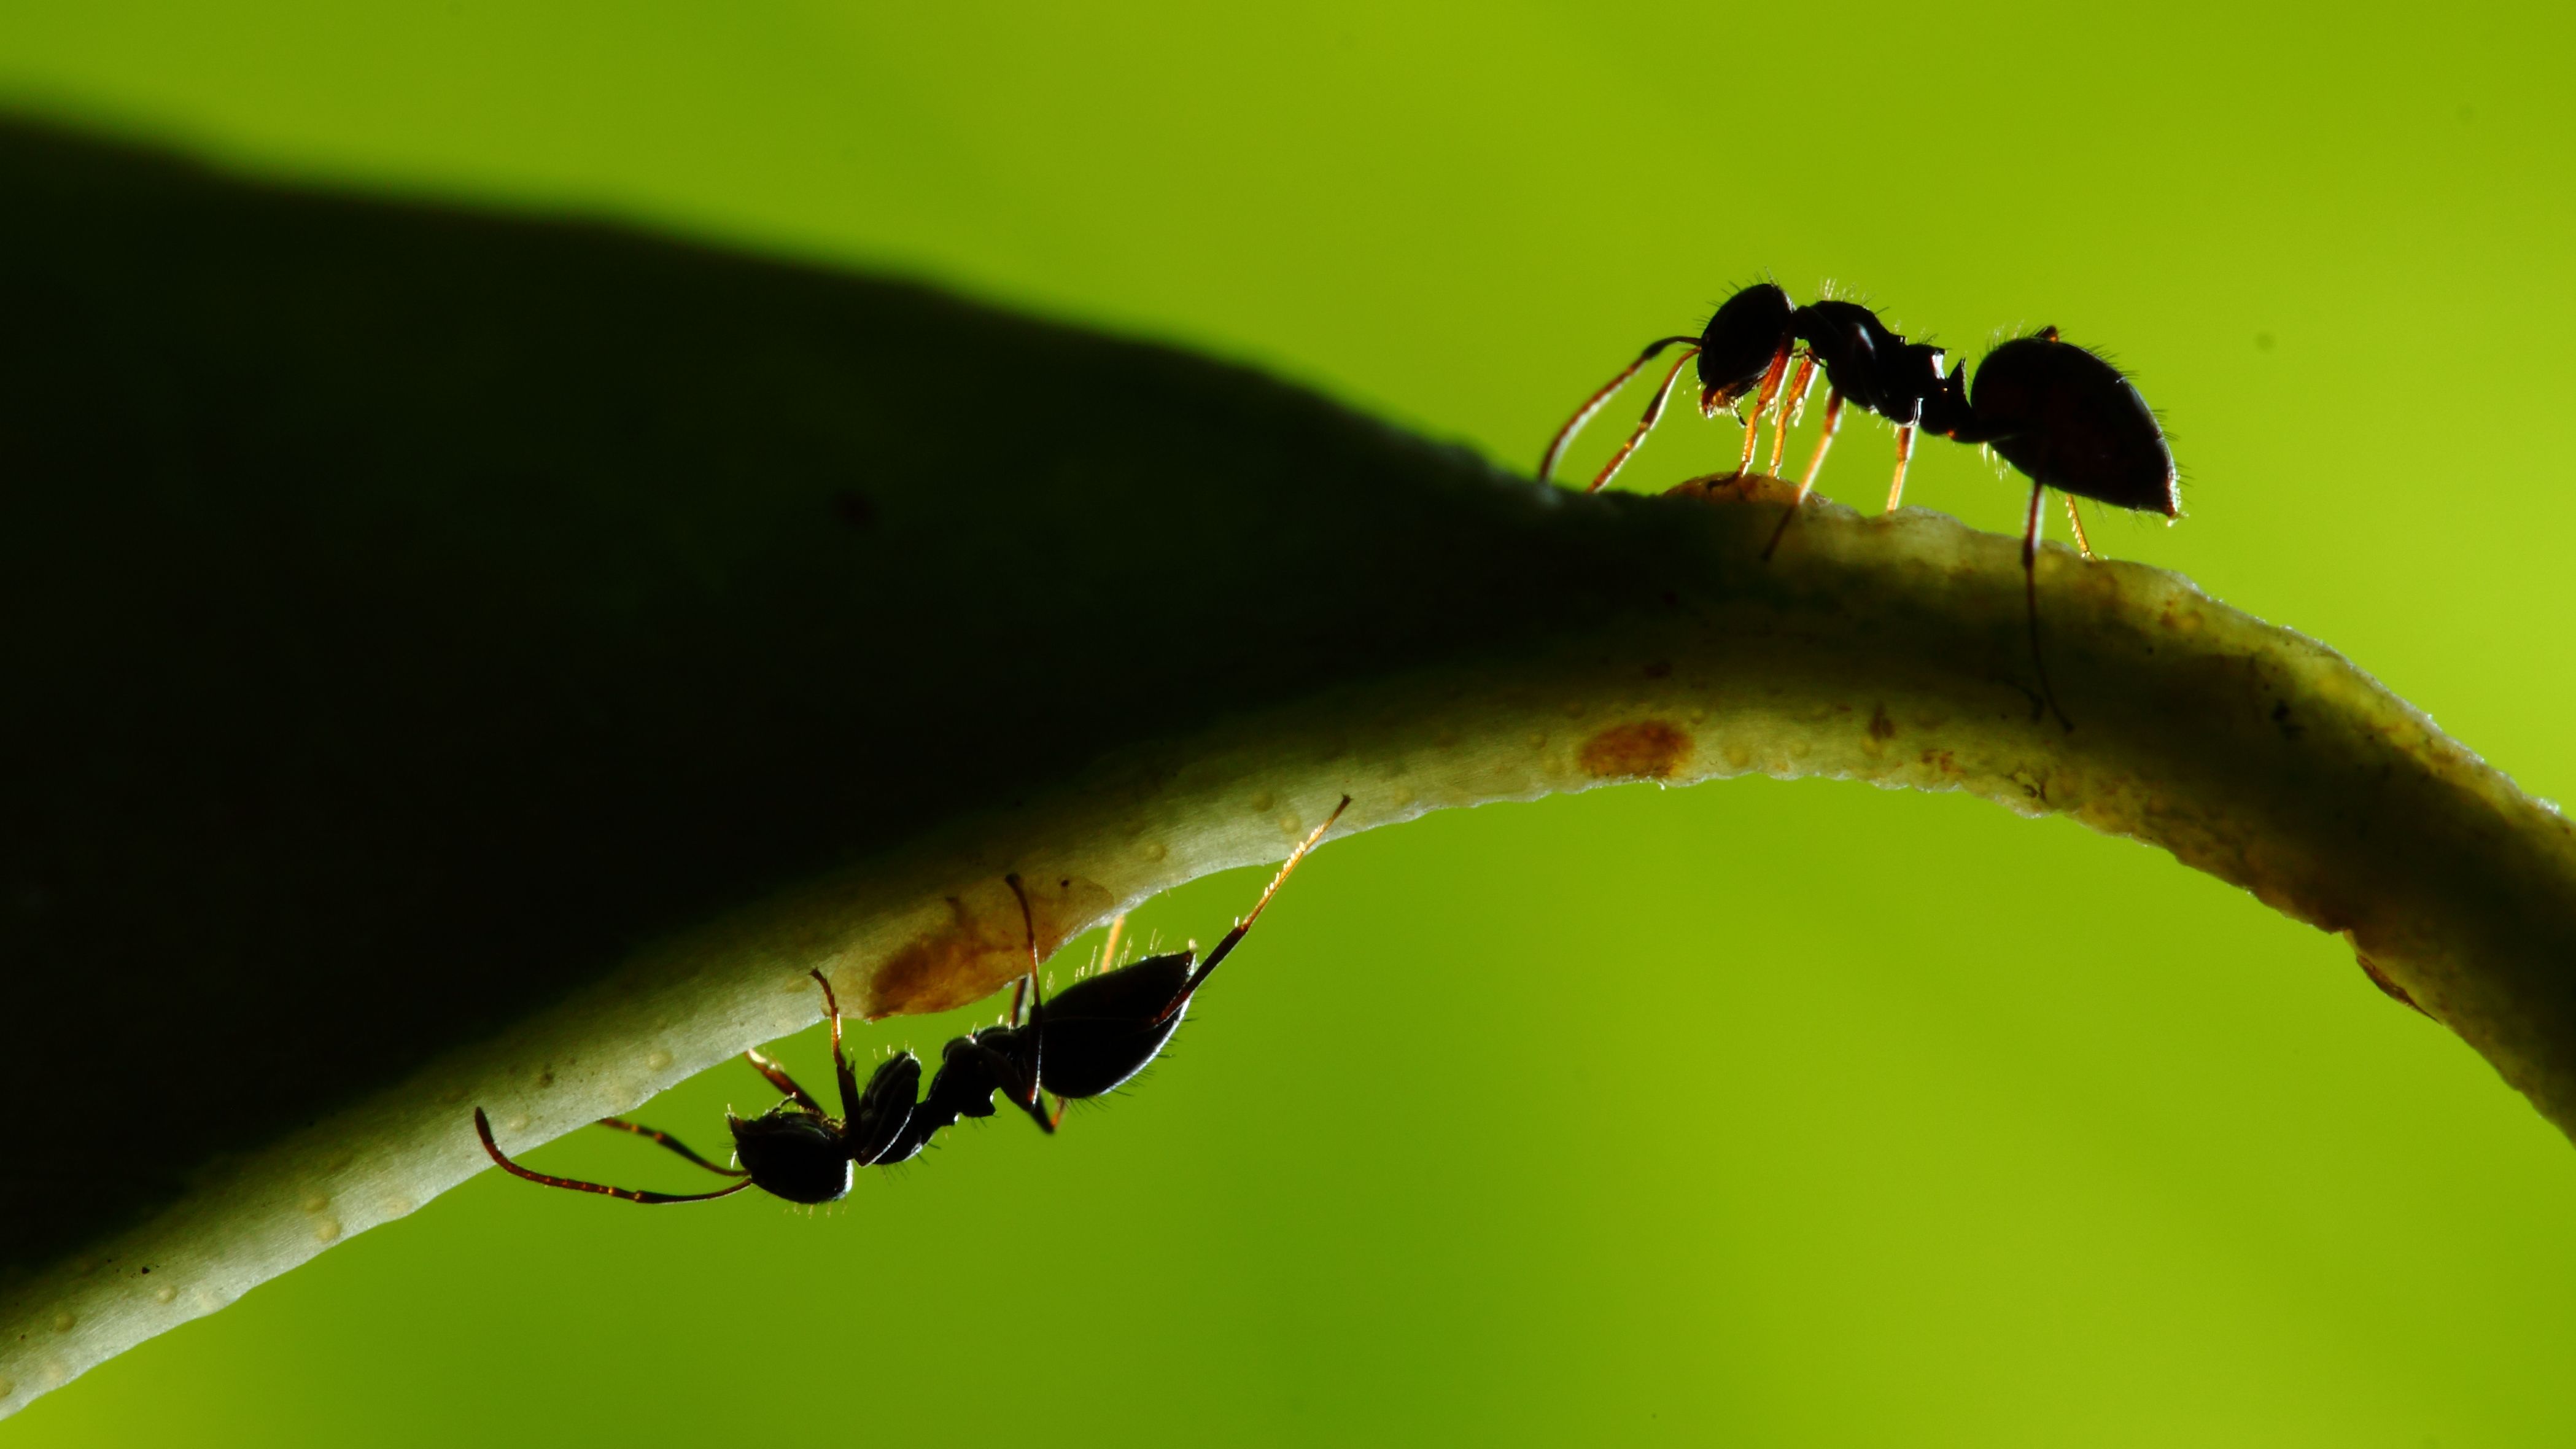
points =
(465, 661)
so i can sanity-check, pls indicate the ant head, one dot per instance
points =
(793, 1154)
(2068, 419)
(1102, 1030)
(1737, 347)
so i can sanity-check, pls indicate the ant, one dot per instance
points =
(1087, 1040)
(2063, 416)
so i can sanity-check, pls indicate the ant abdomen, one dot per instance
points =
(2071, 421)
(1087, 1038)
(1102, 1030)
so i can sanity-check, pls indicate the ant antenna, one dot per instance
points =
(483, 1129)
(1565, 435)
(1645, 425)
(669, 1141)
(1208, 967)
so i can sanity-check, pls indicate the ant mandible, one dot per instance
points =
(2063, 416)
(794, 1150)
(1086, 1039)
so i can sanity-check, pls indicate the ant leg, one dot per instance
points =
(1109, 943)
(1036, 1107)
(1761, 404)
(1564, 438)
(1216, 957)
(840, 1060)
(1824, 440)
(669, 1141)
(1904, 455)
(1036, 1027)
(1645, 425)
(2075, 521)
(883, 1114)
(483, 1129)
(996, 1071)
(1793, 405)
(2030, 593)
(1815, 464)
(778, 1078)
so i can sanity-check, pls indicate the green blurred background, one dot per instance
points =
(1794, 1114)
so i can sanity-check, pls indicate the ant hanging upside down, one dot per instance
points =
(2060, 414)
(1085, 1040)
(1088, 1038)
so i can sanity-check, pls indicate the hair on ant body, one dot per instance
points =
(2063, 416)
(1084, 1041)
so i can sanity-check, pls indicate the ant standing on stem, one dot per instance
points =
(1086, 1040)
(2060, 414)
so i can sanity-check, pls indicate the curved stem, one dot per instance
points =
(426, 676)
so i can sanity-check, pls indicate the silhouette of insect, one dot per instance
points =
(1748, 346)
(1086, 1039)
(2063, 416)
(794, 1150)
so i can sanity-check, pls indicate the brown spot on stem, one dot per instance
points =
(1734, 488)
(2379, 979)
(1880, 726)
(1647, 749)
(982, 945)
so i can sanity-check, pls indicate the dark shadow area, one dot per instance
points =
(405, 614)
